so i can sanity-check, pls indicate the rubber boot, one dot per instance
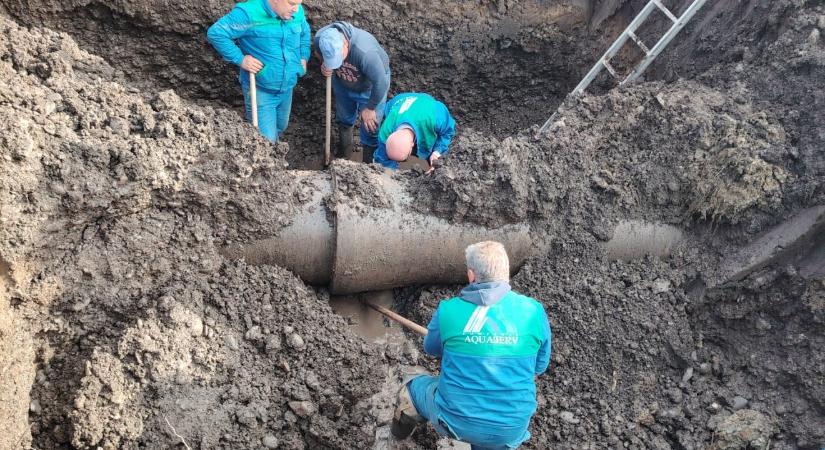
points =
(344, 141)
(368, 153)
(406, 417)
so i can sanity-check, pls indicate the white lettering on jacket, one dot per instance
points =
(491, 339)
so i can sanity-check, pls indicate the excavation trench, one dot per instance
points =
(123, 203)
(475, 55)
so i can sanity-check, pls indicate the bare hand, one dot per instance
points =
(304, 65)
(251, 65)
(325, 72)
(369, 120)
(433, 162)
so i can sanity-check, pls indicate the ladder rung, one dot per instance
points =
(610, 68)
(665, 10)
(629, 32)
(639, 42)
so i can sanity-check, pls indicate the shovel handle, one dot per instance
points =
(398, 318)
(253, 98)
(328, 119)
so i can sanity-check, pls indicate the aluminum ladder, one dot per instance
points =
(630, 33)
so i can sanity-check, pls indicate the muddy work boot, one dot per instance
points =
(406, 417)
(368, 153)
(344, 141)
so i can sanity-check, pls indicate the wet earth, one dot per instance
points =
(681, 319)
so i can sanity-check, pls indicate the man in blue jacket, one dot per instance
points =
(492, 342)
(361, 79)
(414, 121)
(271, 39)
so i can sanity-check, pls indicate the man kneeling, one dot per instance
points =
(492, 342)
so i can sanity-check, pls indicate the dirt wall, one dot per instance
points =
(115, 207)
(469, 54)
(115, 201)
(16, 369)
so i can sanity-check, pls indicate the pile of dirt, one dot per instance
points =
(354, 185)
(733, 161)
(770, 54)
(115, 202)
(252, 346)
(114, 209)
(16, 370)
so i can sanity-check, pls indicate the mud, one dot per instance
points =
(368, 322)
(115, 208)
(117, 197)
(16, 369)
(732, 162)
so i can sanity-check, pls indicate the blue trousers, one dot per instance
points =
(422, 391)
(348, 104)
(273, 111)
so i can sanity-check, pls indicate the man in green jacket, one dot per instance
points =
(493, 342)
(270, 38)
(414, 121)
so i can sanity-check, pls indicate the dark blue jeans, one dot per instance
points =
(348, 104)
(422, 391)
(273, 111)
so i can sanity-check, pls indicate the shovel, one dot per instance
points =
(253, 97)
(409, 324)
(328, 121)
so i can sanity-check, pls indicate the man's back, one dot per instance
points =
(429, 119)
(490, 359)
(493, 342)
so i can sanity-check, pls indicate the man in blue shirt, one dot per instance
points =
(361, 79)
(492, 342)
(271, 39)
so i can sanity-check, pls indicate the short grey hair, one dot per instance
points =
(489, 261)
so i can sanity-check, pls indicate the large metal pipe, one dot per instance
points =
(306, 246)
(338, 241)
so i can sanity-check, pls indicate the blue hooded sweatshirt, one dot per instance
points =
(493, 342)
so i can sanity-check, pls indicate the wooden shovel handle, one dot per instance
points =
(253, 98)
(401, 320)
(328, 142)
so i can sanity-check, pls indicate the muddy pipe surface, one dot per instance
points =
(306, 245)
(799, 241)
(358, 248)
(399, 246)
(634, 239)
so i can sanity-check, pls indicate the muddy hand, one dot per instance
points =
(369, 120)
(251, 65)
(435, 162)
